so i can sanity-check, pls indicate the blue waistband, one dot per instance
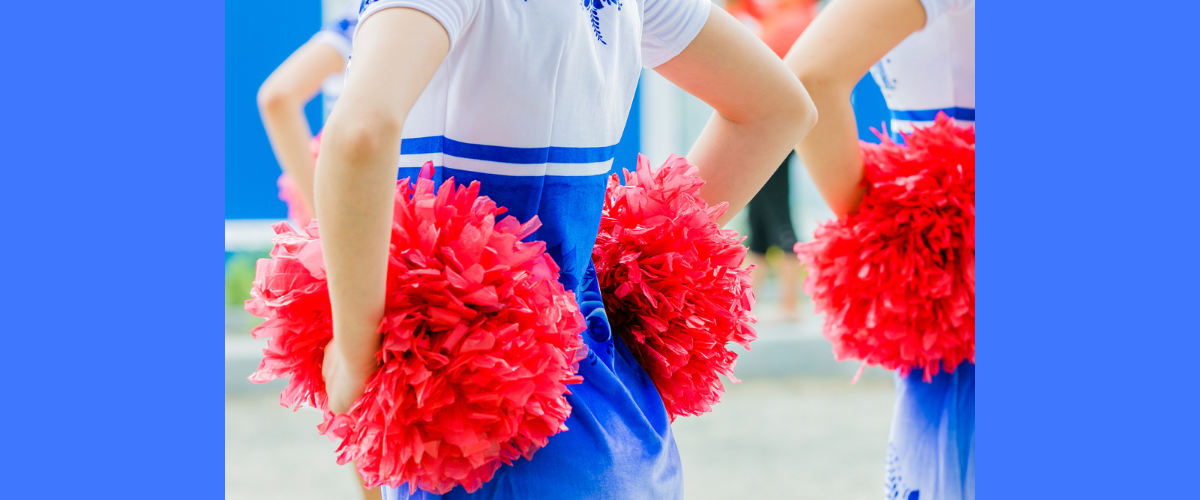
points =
(927, 115)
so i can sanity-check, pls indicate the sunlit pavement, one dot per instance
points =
(794, 429)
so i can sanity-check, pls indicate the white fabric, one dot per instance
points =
(538, 74)
(935, 8)
(933, 69)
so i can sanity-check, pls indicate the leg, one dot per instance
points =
(789, 282)
(367, 494)
(777, 222)
(758, 239)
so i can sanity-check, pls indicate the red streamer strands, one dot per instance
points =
(896, 279)
(479, 341)
(674, 287)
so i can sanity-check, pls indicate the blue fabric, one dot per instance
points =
(927, 115)
(619, 443)
(931, 449)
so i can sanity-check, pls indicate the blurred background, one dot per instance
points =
(795, 428)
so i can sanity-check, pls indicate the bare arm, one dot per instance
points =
(830, 57)
(761, 111)
(396, 53)
(281, 101)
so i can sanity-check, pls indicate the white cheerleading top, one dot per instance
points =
(933, 69)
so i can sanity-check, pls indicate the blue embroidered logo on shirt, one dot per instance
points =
(593, 7)
(888, 82)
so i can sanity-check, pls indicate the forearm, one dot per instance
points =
(281, 101)
(289, 133)
(760, 110)
(396, 55)
(736, 159)
(834, 52)
(830, 152)
(356, 184)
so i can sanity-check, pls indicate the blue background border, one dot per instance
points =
(1087, 238)
(113, 204)
(113, 209)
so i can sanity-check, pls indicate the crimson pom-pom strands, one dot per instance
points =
(896, 278)
(480, 341)
(673, 282)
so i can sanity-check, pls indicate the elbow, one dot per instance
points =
(808, 115)
(822, 85)
(273, 98)
(359, 140)
(800, 112)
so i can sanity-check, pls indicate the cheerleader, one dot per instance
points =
(316, 66)
(922, 55)
(529, 99)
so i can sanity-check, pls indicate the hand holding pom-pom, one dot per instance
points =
(674, 286)
(896, 278)
(343, 384)
(479, 342)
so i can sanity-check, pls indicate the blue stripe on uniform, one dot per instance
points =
(927, 115)
(504, 154)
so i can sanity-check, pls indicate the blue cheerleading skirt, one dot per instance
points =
(618, 445)
(931, 448)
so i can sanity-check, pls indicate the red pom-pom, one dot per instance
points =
(289, 192)
(673, 282)
(896, 279)
(479, 341)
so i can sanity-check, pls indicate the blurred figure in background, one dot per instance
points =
(318, 65)
(922, 55)
(778, 23)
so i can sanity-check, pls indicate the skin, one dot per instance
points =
(761, 112)
(836, 50)
(281, 100)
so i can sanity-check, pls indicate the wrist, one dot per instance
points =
(358, 352)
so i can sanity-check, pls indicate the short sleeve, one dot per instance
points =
(339, 32)
(454, 15)
(935, 8)
(668, 26)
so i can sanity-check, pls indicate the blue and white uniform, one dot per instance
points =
(338, 34)
(933, 69)
(931, 447)
(531, 101)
